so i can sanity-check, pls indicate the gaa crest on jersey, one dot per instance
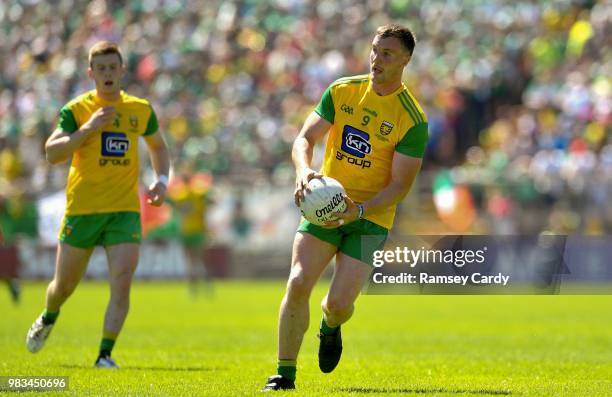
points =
(346, 108)
(134, 121)
(115, 144)
(386, 128)
(355, 142)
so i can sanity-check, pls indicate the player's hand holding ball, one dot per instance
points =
(324, 199)
(350, 214)
(301, 183)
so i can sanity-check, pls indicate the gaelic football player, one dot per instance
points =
(377, 134)
(100, 131)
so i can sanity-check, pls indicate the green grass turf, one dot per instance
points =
(173, 345)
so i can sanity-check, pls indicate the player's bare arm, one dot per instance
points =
(314, 129)
(158, 151)
(404, 170)
(61, 145)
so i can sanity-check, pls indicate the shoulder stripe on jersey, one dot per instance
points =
(356, 77)
(415, 106)
(412, 106)
(350, 82)
(412, 112)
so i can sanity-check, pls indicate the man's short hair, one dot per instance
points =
(404, 35)
(103, 48)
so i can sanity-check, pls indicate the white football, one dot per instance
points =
(326, 196)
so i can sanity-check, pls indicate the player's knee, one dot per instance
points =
(120, 300)
(298, 286)
(120, 292)
(121, 282)
(336, 305)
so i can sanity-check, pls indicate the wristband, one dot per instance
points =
(361, 209)
(163, 179)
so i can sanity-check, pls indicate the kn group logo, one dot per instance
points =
(355, 142)
(115, 144)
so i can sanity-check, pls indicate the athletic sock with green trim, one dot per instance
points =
(49, 317)
(326, 329)
(287, 369)
(106, 346)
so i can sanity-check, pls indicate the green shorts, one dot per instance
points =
(358, 239)
(87, 231)
(193, 240)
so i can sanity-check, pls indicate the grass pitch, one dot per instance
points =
(225, 344)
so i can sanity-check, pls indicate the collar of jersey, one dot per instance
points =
(102, 101)
(392, 95)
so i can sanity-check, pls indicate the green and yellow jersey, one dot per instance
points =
(103, 175)
(190, 203)
(367, 129)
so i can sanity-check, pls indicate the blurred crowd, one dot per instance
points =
(517, 92)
